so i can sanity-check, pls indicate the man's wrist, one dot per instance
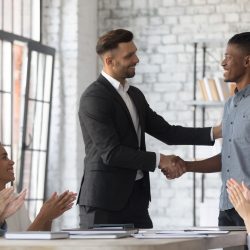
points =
(190, 166)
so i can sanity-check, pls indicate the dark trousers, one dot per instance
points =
(135, 211)
(230, 218)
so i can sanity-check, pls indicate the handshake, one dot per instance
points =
(172, 166)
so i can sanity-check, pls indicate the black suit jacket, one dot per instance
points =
(111, 144)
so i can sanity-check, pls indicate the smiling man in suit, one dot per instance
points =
(114, 118)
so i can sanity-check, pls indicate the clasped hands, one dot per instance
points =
(172, 166)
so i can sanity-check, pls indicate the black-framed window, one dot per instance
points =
(21, 17)
(26, 83)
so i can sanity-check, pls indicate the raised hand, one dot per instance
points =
(244, 189)
(9, 202)
(240, 203)
(5, 197)
(56, 205)
(172, 166)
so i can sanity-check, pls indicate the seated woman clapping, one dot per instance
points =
(19, 220)
(239, 195)
(9, 204)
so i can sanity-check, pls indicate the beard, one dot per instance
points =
(130, 73)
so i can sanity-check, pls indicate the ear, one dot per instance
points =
(247, 61)
(108, 60)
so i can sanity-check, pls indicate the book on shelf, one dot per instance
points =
(223, 89)
(215, 89)
(202, 90)
(36, 235)
(208, 89)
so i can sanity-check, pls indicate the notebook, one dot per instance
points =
(36, 235)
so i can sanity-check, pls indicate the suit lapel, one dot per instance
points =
(117, 97)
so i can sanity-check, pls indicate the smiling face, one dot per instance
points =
(121, 62)
(6, 168)
(234, 64)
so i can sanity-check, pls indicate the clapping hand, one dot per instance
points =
(172, 166)
(9, 202)
(56, 205)
(239, 195)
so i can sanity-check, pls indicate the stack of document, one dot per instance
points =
(215, 229)
(171, 234)
(36, 235)
(114, 226)
(100, 233)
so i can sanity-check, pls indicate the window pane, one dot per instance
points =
(37, 130)
(7, 66)
(37, 125)
(21, 17)
(34, 177)
(40, 79)
(1, 17)
(30, 124)
(5, 107)
(17, 20)
(33, 75)
(7, 22)
(48, 78)
(26, 18)
(41, 164)
(1, 65)
(20, 69)
(26, 170)
(34, 207)
(35, 20)
(45, 126)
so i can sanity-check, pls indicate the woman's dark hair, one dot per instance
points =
(111, 40)
(242, 40)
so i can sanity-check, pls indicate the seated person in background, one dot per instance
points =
(239, 195)
(9, 204)
(55, 206)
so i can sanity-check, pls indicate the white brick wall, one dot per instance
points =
(170, 28)
(74, 69)
(164, 34)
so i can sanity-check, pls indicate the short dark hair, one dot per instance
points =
(242, 40)
(111, 39)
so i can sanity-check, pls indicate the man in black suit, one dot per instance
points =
(114, 118)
